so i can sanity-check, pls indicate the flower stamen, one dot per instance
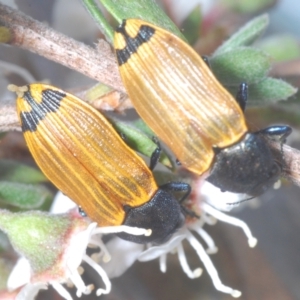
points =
(184, 265)
(79, 284)
(61, 290)
(123, 228)
(210, 267)
(104, 254)
(102, 274)
(163, 263)
(212, 248)
(252, 241)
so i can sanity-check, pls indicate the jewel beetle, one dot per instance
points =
(84, 157)
(176, 94)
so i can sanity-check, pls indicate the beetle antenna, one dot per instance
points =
(155, 155)
(189, 212)
(239, 202)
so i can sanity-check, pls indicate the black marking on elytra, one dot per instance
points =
(132, 44)
(50, 103)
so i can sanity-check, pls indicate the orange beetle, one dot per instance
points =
(80, 152)
(177, 95)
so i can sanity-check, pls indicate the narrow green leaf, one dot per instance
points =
(269, 91)
(17, 172)
(5, 35)
(246, 35)
(96, 92)
(139, 141)
(266, 92)
(249, 6)
(26, 196)
(280, 47)
(98, 16)
(191, 25)
(147, 10)
(243, 64)
(142, 126)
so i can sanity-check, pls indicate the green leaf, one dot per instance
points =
(246, 35)
(17, 172)
(26, 196)
(269, 91)
(139, 141)
(40, 237)
(142, 126)
(266, 92)
(99, 18)
(240, 65)
(191, 25)
(147, 10)
(96, 92)
(249, 6)
(5, 35)
(280, 47)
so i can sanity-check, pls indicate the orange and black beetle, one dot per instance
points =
(80, 152)
(177, 95)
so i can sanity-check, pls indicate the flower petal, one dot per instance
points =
(123, 255)
(62, 204)
(29, 291)
(156, 251)
(20, 275)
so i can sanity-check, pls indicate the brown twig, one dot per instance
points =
(36, 37)
(98, 64)
(291, 162)
(27, 33)
(8, 116)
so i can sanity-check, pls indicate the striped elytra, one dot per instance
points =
(176, 94)
(84, 157)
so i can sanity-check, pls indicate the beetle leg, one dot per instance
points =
(205, 59)
(242, 95)
(82, 212)
(177, 161)
(180, 187)
(155, 155)
(123, 136)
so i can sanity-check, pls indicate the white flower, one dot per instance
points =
(115, 257)
(22, 274)
(71, 240)
(122, 259)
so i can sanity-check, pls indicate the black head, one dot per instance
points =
(162, 214)
(249, 166)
